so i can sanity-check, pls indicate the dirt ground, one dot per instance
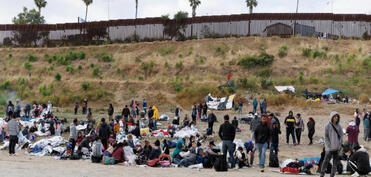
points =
(23, 165)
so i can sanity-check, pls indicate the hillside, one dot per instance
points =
(171, 73)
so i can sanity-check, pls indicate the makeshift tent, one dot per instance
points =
(219, 103)
(285, 88)
(330, 91)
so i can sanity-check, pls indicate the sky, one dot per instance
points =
(67, 11)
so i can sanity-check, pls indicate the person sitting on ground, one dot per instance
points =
(136, 131)
(185, 121)
(116, 127)
(33, 128)
(201, 158)
(58, 129)
(129, 153)
(42, 127)
(165, 147)
(147, 149)
(208, 150)
(118, 153)
(85, 143)
(26, 133)
(176, 153)
(80, 137)
(358, 161)
(189, 158)
(156, 151)
(240, 158)
(97, 151)
(130, 141)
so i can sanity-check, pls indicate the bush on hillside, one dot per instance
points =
(363, 98)
(307, 52)
(57, 77)
(105, 57)
(32, 58)
(263, 59)
(27, 65)
(283, 51)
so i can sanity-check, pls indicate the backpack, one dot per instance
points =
(108, 160)
(273, 160)
(221, 164)
(208, 131)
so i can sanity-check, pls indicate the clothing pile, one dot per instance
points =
(290, 166)
(45, 147)
(186, 132)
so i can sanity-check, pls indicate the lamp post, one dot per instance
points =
(297, 8)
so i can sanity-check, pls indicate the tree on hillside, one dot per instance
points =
(194, 4)
(136, 16)
(175, 28)
(251, 4)
(87, 3)
(27, 38)
(40, 4)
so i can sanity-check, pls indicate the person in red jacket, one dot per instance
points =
(118, 154)
(353, 132)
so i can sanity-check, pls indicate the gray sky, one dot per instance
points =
(62, 11)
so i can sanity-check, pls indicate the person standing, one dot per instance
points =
(357, 118)
(204, 111)
(290, 127)
(133, 106)
(145, 106)
(13, 130)
(210, 120)
(89, 116)
(76, 107)
(85, 106)
(177, 112)
(254, 123)
(227, 133)
(194, 114)
(240, 105)
(104, 133)
(353, 132)
(126, 113)
(299, 127)
(333, 142)
(311, 129)
(366, 125)
(255, 105)
(262, 135)
(73, 135)
(275, 138)
(111, 110)
(262, 106)
(265, 104)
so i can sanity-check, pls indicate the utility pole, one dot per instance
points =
(297, 9)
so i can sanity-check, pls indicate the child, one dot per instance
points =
(240, 158)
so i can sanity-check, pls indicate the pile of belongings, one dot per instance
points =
(23, 142)
(160, 133)
(121, 137)
(305, 167)
(247, 118)
(187, 132)
(164, 118)
(48, 146)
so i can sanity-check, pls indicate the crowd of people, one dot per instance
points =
(101, 139)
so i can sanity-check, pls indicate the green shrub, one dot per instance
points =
(79, 67)
(180, 55)
(71, 56)
(325, 48)
(32, 58)
(137, 59)
(179, 65)
(10, 56)
(106, 58)
(27, 65)
(85, 86)
(140, 78)
(96, 71)
(301, 74)
(61, 60)
(166, 65)
(249, 84)
(351, 58)
(337, 58)
(177, 86)
(166, 51)
(318, 54)
(313, 80)
(367, 63)
(265, 84)
(263, 59)
(190, 51)
(147, 67)
(70, 69)
(283, 51)
(50, 60)
(5, 85)
(266, 72)
(202, 59)
(307, 52)
(57, 77)
(221, 50)
(91, 65)
(81, 55)
(118, 70)
(44, 91)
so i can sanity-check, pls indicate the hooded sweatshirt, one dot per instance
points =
(361, 159)
(178, 149)
(333, 140)
(13, 128)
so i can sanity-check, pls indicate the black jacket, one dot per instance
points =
(136, 132)
(310, 126)
(110, 111)
(227, 131)
(361, 159)
(275, 135)
(262, 133)
(235, 123)
(150, 113)
(290, 122)
(211, 118)
(104, 131)
(126, 112)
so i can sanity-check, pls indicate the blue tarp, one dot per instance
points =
(330, 91)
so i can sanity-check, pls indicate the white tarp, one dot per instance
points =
(284, 88)
(187, 132)
(219, 103)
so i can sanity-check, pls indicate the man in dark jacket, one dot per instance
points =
(290, 127)
(136, 131)
(359, 161)
(262, 135)
(104, 133)
(235, 122)
(111, 110)
(227, 133)
(150, 113)
(210, 120)
(126, 113)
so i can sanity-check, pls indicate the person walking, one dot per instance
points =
(290, 127)
(262, 136)
(111, 110)
(227, 133)
(255, 105)
(299, 127)
(240, 106)
(13, 130)
(125, 113)
(311, 129)
(76, 107)
(253, 124)
(210, 120)
(333, 142)
(73, 135)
